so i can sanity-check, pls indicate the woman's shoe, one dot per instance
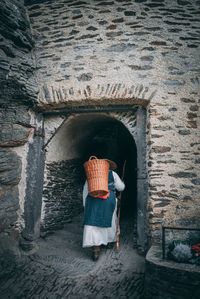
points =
(95, 253)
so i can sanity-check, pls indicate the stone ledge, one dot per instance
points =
(170, 280)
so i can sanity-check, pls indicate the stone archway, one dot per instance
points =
(74, 272)
(67, 151)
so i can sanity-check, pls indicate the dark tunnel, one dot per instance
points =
(113, 141)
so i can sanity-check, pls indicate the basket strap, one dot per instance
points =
(93, 157)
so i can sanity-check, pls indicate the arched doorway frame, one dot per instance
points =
(139, 135)
(138, 132)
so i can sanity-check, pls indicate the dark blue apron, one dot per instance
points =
(99, 212)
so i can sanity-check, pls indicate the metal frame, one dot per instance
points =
(173, 228)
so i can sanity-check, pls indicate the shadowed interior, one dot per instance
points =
(100, 135)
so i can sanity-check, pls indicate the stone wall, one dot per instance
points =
(109, 53)
(17, 65)
(10, 166)
(20, 133)
(18, 93)
(127, 52)
(91, 49)
(62, 194)
(13, 134)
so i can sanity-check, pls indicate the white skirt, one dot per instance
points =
(95, 236)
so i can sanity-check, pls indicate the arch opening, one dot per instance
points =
(69, 149)
(118, 145)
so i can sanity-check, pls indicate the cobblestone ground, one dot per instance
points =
(62, 269)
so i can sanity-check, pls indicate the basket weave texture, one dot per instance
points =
(97, 176)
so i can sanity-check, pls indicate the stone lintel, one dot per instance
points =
(57, 97)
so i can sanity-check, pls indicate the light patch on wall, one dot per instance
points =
(51, 125)
(61, 146)
(46, 181)
(69, 140)
(22, 152)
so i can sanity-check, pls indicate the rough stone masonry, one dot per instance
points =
(122, 52)
(61, 54)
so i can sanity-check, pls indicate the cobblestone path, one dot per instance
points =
(62, 269)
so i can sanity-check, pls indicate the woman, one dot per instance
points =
(100, 216)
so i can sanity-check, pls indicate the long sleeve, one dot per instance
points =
(85, 192)
(119, 184)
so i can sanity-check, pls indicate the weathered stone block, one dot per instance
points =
(15, 115)
(10, 167)
(183, 174)
(9, 204)
(13, 135)
(161, 149)
(192, 124)
(184, 131)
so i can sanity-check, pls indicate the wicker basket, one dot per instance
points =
(97, 176)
